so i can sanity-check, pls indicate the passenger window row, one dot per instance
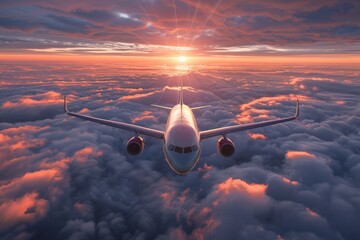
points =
(181, 149)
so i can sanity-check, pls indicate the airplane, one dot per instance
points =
(182, 137)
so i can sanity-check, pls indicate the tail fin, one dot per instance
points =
(181, 92)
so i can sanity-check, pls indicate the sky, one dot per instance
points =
(168, 28)
(64, 178)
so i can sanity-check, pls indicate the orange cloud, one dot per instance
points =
(46, 98)
(31, 143)
(31, 179)
(145, 115)
(84, 110)
(82, 155)
(22, 210)
(257, 136)
(23, 129)
(340, 102)
(250, 111)
(299, 154)
(237, 185)
(16, 138)
(135, 96)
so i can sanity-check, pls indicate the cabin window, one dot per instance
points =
(187, 149)
(182, 150)
(179, 149)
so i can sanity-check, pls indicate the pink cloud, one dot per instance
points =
(250, 111)
(46, 98)
(83, 155)
(146, 115)
(135, 96)
(26, 209)
(31, 180)
(18, 138)
(286, 180)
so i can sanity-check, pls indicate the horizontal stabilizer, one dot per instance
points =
(159, 106)
(201, 107)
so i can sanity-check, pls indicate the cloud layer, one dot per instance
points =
(63, 178)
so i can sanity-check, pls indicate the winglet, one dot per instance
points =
(65, 104)
(297, 108)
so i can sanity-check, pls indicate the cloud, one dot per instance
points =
(299, 154)
(50, 97)
(73, 179)
(257, 136)
(214, 27)
(22, 210)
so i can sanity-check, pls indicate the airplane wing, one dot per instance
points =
(238, 128)
(126, 126)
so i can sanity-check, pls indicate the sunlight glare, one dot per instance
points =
(182, 59)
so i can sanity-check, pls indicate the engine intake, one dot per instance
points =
(225, 147)
(135, 145)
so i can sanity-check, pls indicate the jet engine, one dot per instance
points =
(135, 145)
(225, 147)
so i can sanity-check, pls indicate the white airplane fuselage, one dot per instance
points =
(182, 146)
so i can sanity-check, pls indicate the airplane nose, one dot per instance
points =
(181, 163)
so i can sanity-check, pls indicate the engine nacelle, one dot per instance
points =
(225, 147)
(135, 145)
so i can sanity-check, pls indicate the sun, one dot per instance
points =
(182, 59)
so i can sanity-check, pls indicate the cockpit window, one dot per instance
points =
(187, 149)
(179, 149)
(171, 147)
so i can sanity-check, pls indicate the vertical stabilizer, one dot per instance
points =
(181, 92)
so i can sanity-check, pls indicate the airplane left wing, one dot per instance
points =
(238, 128)
(125, 126)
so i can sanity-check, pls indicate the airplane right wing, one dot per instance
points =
(126, 126)
(238, 128)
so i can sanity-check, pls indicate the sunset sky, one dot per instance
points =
(171, 28)
(64, 178)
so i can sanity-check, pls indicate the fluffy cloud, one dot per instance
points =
(65, 178)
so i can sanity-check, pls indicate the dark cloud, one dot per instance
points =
(327, 13)
(97, 15)
(66, 24)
